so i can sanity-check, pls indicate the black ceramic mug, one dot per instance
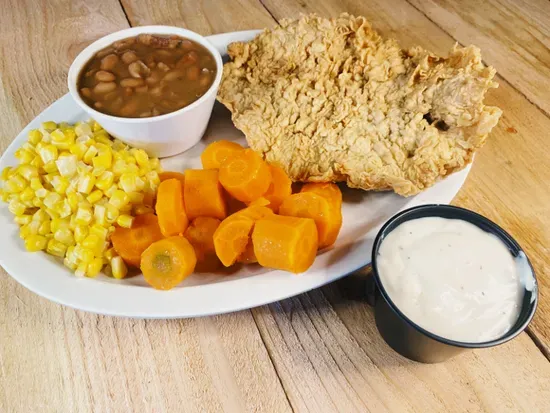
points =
(413, 341)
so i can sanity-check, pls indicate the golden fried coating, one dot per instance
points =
(330, 100)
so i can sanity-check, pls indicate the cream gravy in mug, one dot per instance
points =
(453, 279)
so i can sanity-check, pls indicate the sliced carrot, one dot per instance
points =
(130, 243)
(331, 192)
(172, 175)
(167, 262)
(218, 152)
(200, 234)
(255, 212)
(149, 198)
(231, 238)
(261, 201)
(280, 188)
(318, 208)
(170, 209)
(203, 194)
(285, 243)
(248, 256)
(246, 176)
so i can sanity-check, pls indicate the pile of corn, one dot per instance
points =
(72, 185)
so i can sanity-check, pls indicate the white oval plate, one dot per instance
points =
(203, 294)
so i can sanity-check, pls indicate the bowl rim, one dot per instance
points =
(85, 55)
(471, 217)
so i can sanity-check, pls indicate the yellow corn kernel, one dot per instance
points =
(119, 167)
(58, 223)
(59, 136)
(35, 136)
(25, 156)
(92, 242)
(100, 213)
(125, 221)
(4, 195)
(119, 199)
(6, 173)
(60, 184)
(81, 269)
(83, 215)
(143, 209)
(51, 200)
(141, 157)
(22, 219)
(118, 268)
(136, 197)
(65, 236)
(100, 231)
(131, 182)
(41, 193)
(50, 167)
(94, 267)
(67, 165)
(56, 248)
(15, 183)
(26, 195)
(154, 164)
(105, 180)
(83, 254)
(89, 155)
(112, 213)
(27, 171)
(70, 264)
(37, 202)
(52, 213)
(104, 159)
(45, 227)
(94, 196)
(86, 183)
(64, 209)
(78, 149)
(37, 161)
(109, 254)
(40, 216)
(48, 153)
(49, 125)
(95, 126)
(34, 243)
(83, 129)
(17, 207)
(35, 184)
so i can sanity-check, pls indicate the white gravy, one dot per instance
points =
(453, 279)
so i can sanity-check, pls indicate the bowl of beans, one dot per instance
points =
(152, 87)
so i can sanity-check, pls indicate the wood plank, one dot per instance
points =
(509, 180)
(55, 359)
(514, 37)
(205, 17)
(330, 357)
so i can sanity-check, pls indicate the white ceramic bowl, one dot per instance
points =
(160, 136)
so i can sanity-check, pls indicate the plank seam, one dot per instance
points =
(484, 62)
(125, 14)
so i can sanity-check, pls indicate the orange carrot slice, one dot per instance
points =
(218, 152)
(248, 256)
(285, 243)
(318, 208)
(200, 233)
(245, 176)
(231, 238)
(203, 194)
(167, 262)
(261, 201)
(280, 188)
(130, 243)
(170, 209)
(172, 175)
(331, 192)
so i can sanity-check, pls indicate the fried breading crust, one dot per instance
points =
(330, 100)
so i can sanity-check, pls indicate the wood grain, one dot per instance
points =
(513, 35)
(330, 357)
(317, 352)
(205, 17)
(509, 179)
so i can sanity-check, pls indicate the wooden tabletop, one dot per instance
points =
(320, 351)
